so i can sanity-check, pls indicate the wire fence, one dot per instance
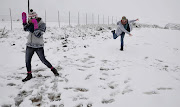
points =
(61, 18)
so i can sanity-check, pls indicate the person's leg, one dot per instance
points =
(40, 53)
(114, 34)
(28, 57)
(122, 40)
(29, 54)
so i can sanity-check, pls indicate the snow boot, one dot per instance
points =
(113, 32)
(121, 48)
(29, 76)
(55, 72)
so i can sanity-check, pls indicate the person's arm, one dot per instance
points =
(118, 22)
(28, 27)
(131, 21)
(39, 32)
(123, 29)
(42, 27)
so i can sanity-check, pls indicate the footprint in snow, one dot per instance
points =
(36, 100)
(112, 85)
(107, 101)
(164, 88)
(77, 89)
(127, 80)
(11, 84)
(113, 94)
(79, 105)
(14, 76)
(6, 105)
(105, 61)
(127, 90)
(81, 69)
(54, 96)
(61, 105)
(151, 92)
(81, 90)
(89, 105)
(20, 97)
(91, 57)
(88, 77)
(158, 60)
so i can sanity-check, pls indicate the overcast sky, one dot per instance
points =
(150, 9)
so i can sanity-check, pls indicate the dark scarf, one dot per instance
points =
(38, 19)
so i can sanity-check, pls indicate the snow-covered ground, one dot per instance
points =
(94, 72)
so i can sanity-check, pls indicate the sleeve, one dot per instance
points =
(131, 21)
(42, 27)
(123, 29)
(28, 27)
(118, 22)
(118, 31)
(39, 32)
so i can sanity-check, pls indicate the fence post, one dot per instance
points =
(98, 19)
(10, 17)
(92, 18)
(116, 19)
(108, 20)
(78, 18)
(86, 18)
(103, 19)
(69, 18)
(58, 19)
(45, 16)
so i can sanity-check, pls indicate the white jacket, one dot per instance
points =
(33, 40)
(120, 27)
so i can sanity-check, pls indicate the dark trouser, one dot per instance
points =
(40, 52)
(115, 35)
(122, 37)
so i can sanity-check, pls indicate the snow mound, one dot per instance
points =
(143, 25)
(172, 26)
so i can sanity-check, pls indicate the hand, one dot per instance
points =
(34, 21)
(24, 18)
(137, 19)
(130, 35)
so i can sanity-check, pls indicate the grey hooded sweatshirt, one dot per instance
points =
(120, 27)
(35, 39)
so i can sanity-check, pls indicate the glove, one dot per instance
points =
(24, 18)
(38, 33)
(30, 27)
(34, 21)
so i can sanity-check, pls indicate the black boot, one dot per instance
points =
(55, 72)
(121, 48)
(113, 31)
(29, 76)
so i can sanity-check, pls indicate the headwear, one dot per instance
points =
(32, 14)
(124, 18)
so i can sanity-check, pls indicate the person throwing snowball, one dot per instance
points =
(124, 26)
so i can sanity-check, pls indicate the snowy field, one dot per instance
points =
(94, 72)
